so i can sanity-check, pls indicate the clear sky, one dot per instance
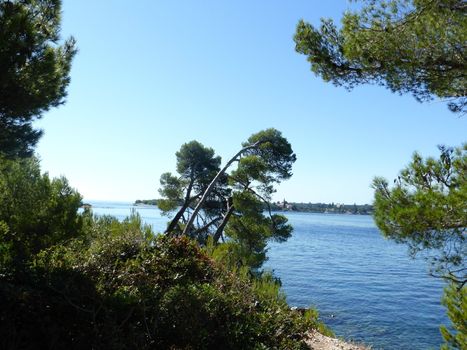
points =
(152, 75)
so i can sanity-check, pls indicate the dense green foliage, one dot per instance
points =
(71, 280)
(232, 203)
(34, 70)
(409, 46)
(35, 211)
(196, 166)
(455, 300)
(426, 209)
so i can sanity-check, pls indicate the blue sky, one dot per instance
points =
(151, 75)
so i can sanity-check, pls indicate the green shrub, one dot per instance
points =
(119, 287)
(71, 280)
(35, 211)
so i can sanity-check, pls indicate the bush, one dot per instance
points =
(117, 287)
(71, 280)
(35, 211)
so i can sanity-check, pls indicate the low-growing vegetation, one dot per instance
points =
(72, 280)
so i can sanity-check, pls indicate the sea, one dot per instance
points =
(366, 288)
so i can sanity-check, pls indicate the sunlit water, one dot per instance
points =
(366, 288)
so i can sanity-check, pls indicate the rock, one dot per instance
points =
(317, 341)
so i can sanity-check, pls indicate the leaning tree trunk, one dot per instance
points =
(213, 183)
(224, 222)
(176, 218)
(179, 214)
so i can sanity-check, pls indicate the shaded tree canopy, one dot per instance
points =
(216, 203)
(196, 166)
(270, 149)
(409, 46)
(426, 209)
(34, 70)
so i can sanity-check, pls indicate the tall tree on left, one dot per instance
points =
(34, 70)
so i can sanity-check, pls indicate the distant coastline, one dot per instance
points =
(325, 208)
(145, 202)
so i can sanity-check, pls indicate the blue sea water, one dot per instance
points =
(366, 288)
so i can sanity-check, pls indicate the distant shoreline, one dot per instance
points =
(320, 208)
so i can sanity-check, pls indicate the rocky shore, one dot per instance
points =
(317, 341)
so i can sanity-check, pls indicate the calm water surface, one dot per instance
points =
(365, 288)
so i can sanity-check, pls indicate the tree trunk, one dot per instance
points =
(224, 222)
(205, 227)
(174, 222)
(179, 214)
(212, 184)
